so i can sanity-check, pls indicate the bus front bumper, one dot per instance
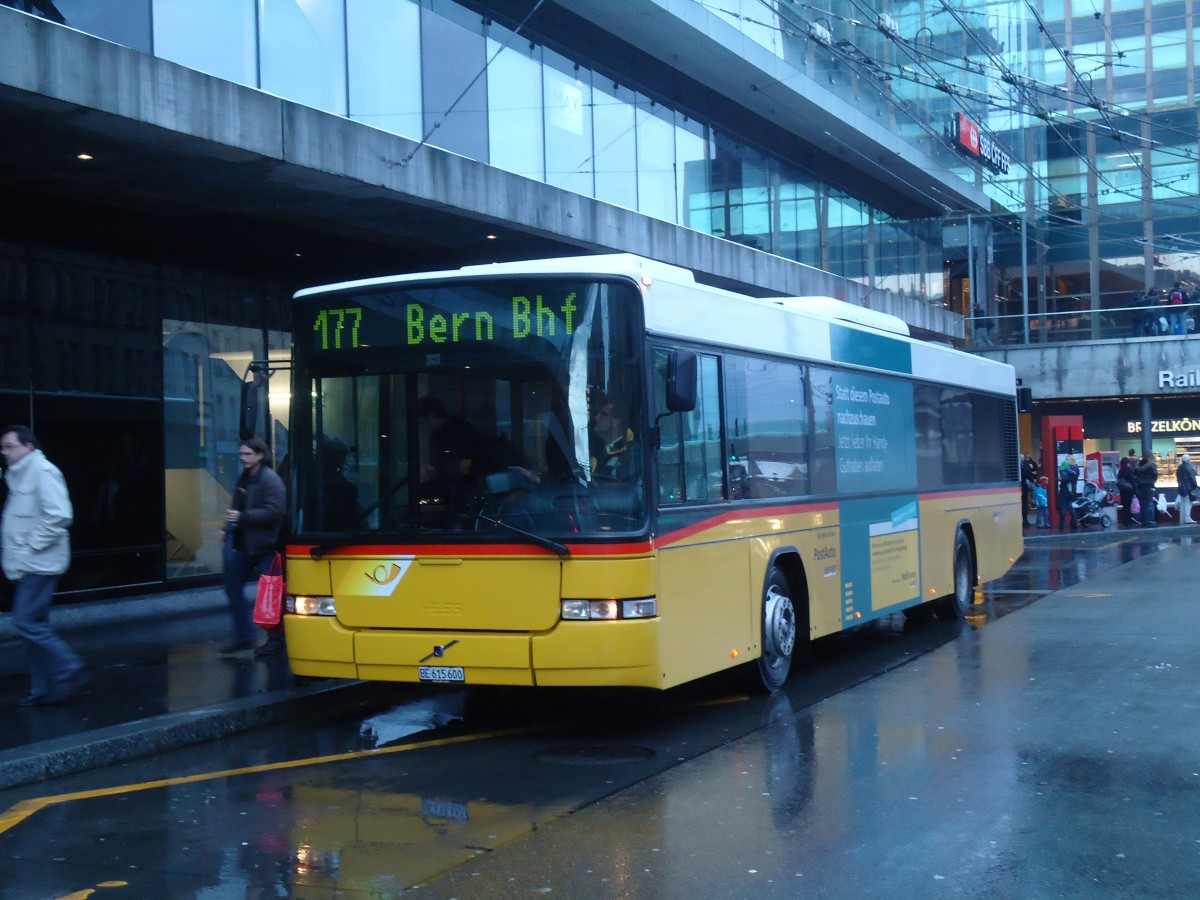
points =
(573, 654)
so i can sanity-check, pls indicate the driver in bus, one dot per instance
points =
(611, 440)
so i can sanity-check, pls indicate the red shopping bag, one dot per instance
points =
(268, 602)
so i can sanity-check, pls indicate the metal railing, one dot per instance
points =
(1075, 326)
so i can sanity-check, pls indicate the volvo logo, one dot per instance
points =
(439, 651)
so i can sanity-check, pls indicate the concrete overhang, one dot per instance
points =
(181, 146)
(1131, 367)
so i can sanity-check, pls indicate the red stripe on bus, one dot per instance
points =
(618, 549)
(687, 531)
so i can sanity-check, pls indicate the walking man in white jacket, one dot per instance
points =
(36, 551)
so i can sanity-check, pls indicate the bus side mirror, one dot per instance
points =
(681, 381)
(248, 416)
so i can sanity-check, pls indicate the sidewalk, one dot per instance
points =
(159, 682)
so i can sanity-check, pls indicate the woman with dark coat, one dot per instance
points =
(1068, 478)
(1125, 480)
(253, 523)
(1145, 474)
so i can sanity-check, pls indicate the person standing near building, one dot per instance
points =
(253, 523)
(1185, 477)
(1068, 478)
(1145, 474)
(1125, 485)
(1041, 496)
(982, 324)
(36, 551)
(1029, 477)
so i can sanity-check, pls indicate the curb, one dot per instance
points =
(120, 743)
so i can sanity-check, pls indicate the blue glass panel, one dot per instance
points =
(303, 46)
(454, 94)
(655, 161)
(515, 141)
(213, 36)
(691, 164)
(616, 143)
(124, 22)
(568, 109)
(385, 64)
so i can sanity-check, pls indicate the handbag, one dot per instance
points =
(268, 602)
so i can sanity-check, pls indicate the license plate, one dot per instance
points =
(441, 673)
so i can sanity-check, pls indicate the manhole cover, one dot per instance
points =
(593, 756)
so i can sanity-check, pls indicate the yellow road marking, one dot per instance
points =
(19, 812)
(87, 892)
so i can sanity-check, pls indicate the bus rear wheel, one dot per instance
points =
(779, 629)
(958, 604)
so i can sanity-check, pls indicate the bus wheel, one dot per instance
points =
(956, 605)
(778, 631)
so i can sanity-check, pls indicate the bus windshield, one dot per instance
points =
(487, 407)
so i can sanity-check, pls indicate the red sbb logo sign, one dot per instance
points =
(973, 141)
(968, 134)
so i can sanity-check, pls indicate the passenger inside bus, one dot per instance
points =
(339, 494)
(448, 472)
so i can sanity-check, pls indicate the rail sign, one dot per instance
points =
(971, 140)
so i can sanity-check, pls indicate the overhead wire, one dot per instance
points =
(470, 84)
(998, 189)
(956, 92)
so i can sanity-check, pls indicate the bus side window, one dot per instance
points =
(703, 459)
(691, 464)
(822, 469)
(771, 457)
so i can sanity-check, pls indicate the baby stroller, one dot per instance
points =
(1092, 506)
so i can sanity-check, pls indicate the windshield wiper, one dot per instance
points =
(357, 537)
(561, 550)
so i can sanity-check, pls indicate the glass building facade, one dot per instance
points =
(1093, 103)
(131, 374)
(447, 74)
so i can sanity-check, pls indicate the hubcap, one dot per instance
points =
(963, 582)
(780, 631)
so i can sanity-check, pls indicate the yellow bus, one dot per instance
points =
(596, 471)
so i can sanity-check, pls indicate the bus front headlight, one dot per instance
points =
(579, 610)
(303, 605)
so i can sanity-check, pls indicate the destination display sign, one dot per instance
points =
(440, 320)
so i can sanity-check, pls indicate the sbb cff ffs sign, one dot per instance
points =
(973, 141)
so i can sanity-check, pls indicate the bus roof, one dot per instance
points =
(804, 327)
(627, 264)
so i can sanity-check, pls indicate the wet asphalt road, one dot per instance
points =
(520, 793)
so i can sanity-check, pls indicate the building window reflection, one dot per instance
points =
(213, 36)
(302, 48)
(385, 95)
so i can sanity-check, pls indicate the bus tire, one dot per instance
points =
(958, 604)
(779, 631)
